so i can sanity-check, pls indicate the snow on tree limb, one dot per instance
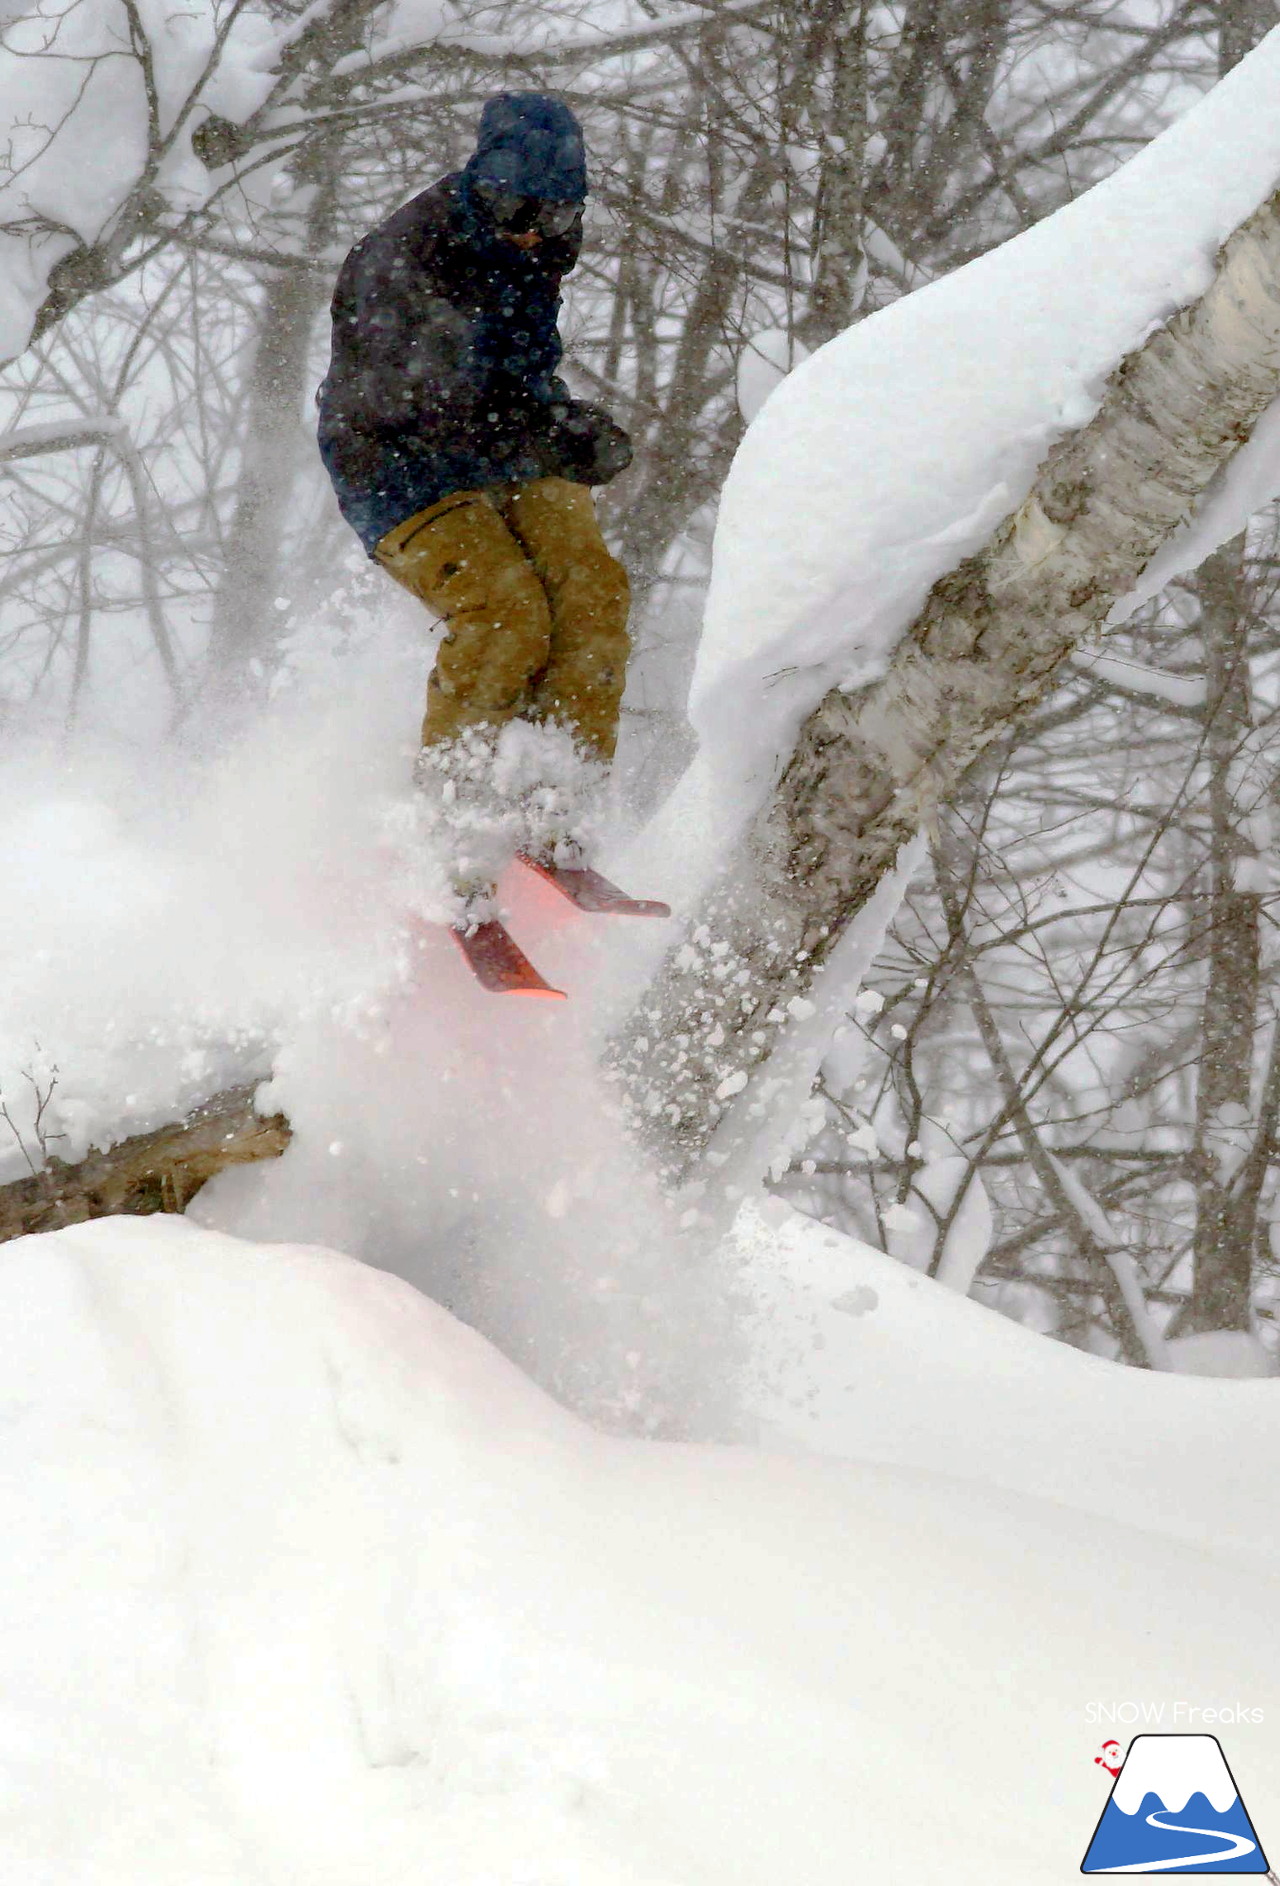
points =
(150, 1172)
(871, 766)
(62, 435)
(1134, 677)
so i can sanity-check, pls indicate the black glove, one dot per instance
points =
(587, 447)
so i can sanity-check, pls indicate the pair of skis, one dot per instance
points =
(496, 960)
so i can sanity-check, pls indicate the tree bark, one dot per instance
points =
(870, 766)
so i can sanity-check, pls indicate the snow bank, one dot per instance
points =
(856, 1354)
(891, 454)
(302, 1581)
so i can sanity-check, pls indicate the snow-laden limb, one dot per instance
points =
(1136, 677)
(62, 435)
(128, 121)
(160, 1171)
(102, 99)
(897, 449)
(873, 763)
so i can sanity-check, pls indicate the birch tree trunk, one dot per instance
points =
(871, 766)
(274, 440)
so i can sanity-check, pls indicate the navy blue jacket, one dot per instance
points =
(445, 345)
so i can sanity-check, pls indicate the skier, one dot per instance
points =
(465, 466)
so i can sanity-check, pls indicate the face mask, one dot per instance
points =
(519, 215)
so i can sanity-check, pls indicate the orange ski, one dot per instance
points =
(498, 963)
(587, 890)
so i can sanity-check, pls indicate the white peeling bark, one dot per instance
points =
(871, 766)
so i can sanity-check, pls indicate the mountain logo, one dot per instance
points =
(1174, 1808)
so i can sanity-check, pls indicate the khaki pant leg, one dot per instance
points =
(587, 588)
(463, 562)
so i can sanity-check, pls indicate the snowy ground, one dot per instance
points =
(304, 1582)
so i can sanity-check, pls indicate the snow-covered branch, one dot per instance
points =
(149, 1172)
(872, 763)
(1136, 678)
(62, 436)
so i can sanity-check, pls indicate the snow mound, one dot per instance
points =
(303, 1581)
(857, 1355)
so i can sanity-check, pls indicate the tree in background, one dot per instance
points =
(1093, 955)
(762, 176)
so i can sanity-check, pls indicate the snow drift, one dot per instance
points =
(302, 1581)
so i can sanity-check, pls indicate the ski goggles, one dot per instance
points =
(521, 215)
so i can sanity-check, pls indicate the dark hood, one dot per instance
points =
(530, 145)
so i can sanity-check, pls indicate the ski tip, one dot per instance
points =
(589, 891)
(499, 965)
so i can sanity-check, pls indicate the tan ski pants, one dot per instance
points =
(534, 607)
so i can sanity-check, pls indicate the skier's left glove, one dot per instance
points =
(588, 447)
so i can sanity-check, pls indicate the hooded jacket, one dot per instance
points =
(442, 375)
